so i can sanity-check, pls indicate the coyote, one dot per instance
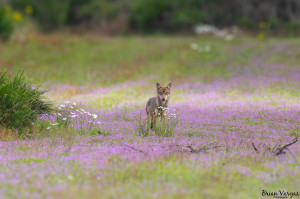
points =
(157, 107)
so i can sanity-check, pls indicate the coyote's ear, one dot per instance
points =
(169, 85)
(158, 86)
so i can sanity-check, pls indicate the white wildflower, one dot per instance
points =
(95, 116)
(67, 102)
(49, 127)
(64, 118)
(173, 115)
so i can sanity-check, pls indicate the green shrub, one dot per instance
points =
(274, 22)
(245, 22)
(98, 10)
(50, 14)
(189, 12)
(187, 17)
(6, 22)
(153, 15)
(20, 103)
(292, 28)
(145, 13)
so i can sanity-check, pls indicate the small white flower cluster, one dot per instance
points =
(210, 29)
(161, 108)
(173, 115)
(73, 113)
(200, 49)
(69, 102)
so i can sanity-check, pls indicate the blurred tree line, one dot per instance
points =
(119, 16)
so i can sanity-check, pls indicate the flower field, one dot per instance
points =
(234, 109)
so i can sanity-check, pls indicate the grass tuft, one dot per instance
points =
(20, 102)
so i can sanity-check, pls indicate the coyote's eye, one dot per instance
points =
(160, 93)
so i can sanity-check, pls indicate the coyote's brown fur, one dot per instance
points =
(157, 107)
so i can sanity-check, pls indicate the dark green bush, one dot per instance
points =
(161, 15)
(50, 14)
(246, 22)
(6, 22)
(98, 10)
(172, 15)
(292, 28)
(273, 21)
(20, 103)
(148, 13)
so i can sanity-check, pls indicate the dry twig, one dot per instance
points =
(136, 149)
(200, 149)
(280, 150)
(255, 147)
(277, 149)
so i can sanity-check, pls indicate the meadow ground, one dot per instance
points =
(226, 96)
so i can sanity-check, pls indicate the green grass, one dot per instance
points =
(96, 61)
(60, 59)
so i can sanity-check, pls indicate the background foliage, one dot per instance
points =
(118, 16)
(6, 23)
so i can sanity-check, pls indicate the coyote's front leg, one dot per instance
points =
(154, 122)
(149, 122)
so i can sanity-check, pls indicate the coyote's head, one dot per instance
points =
(163, 93)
